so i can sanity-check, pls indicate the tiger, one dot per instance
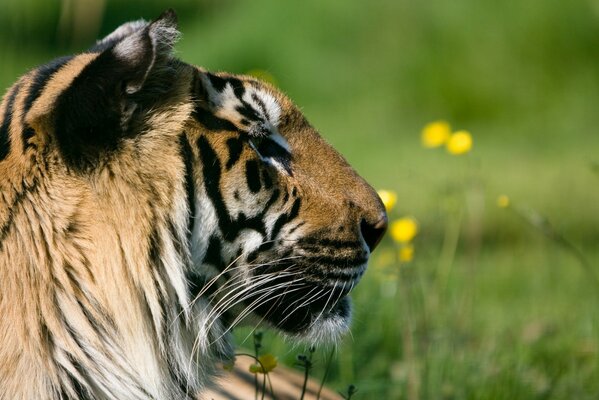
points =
(149, 206)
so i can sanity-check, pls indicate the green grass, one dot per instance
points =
(518, 317)
(512, 323)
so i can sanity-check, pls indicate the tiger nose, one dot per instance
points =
(373, 232)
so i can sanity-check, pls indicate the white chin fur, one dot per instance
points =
(327, 329)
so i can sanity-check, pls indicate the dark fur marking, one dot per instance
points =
(321, 242)
(286, 197)
(235, 147)
(17, 201)
(261, 104)
(263, 247)
(337, 261)
(217, 82)
(238, 88)
(252, 176)
(274, 197)
(187, 154)
(88, 114)
(212, 122)
(211, 171)
(6, 120)
(155, 248)
(197, 284)
(154, 254)
(214, 253)
(285, 218)
(92, 115)
(81, 389)
(295, 228)
(268, 148)
(42, 75)
(266, 178)
(248, 112)
(27, 134)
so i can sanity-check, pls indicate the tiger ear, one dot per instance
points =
(118, 34)
(140, 51)
(132, 73)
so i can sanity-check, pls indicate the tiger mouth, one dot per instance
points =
(297, 305)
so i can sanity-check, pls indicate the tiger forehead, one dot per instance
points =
(247, 105)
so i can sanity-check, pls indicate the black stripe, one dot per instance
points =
(212, 174)
(337, 261)
(261, 105)
(211, 121)
(217, 82)
(286, 218)
(5, 127)
(296, 227)
(229, 226)
(238, 88)
(337, 244)
(274, 197)
(41, 78)
(286, 197)
(155, 260)
(197, 283)
(187, 154)
(252, 175)
(235, 147)
(80, 388)
(248, 112)
(325, 273)
(266, 178)
(214, 253)
(4, 229)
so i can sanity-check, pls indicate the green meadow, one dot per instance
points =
(497, 302)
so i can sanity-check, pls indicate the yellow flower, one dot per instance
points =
(389, 199)
(503, 201)
(263, 75)
(435, 134)
(459, 143)
(267, 363)
(403, 230)
(406, 253)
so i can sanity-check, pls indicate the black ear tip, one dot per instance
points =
(168, 17)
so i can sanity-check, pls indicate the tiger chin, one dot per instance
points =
(149, 206)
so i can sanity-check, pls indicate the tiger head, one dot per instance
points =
(147, 206)
(283, 226)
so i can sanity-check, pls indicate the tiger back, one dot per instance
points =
(148, 206)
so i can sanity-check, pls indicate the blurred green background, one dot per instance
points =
(495, 304)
